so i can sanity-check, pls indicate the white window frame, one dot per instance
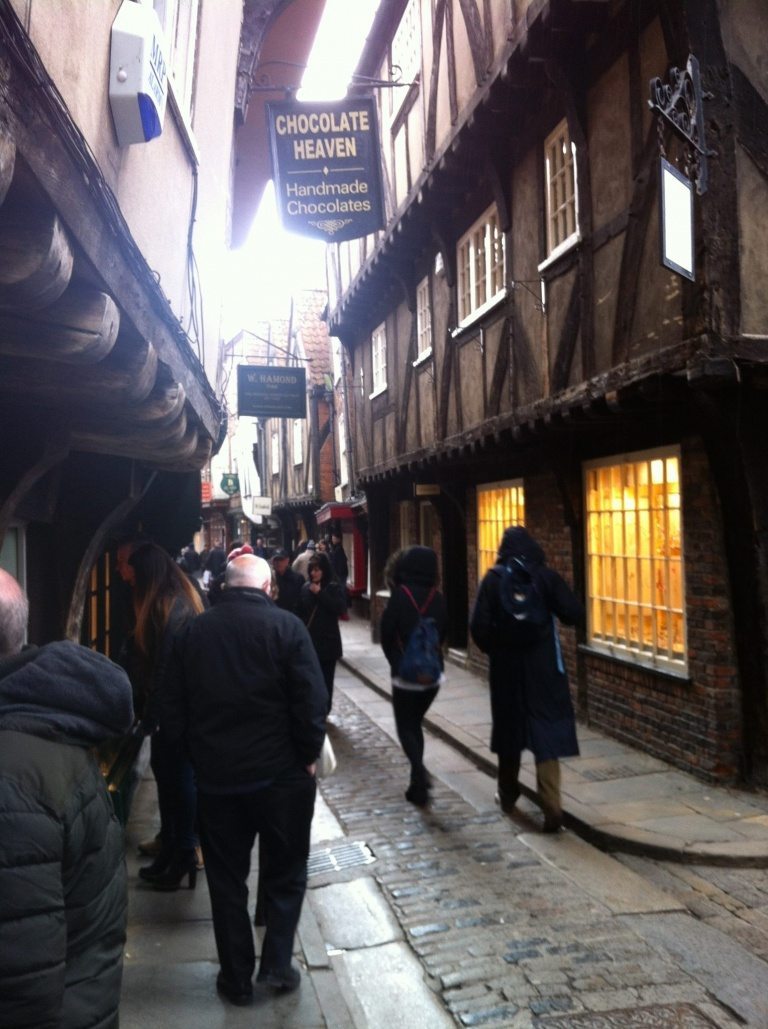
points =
(405, 52)
(298, 441)
(561, 192)
(379, 360)
(423, 323)
(622, 584)
(179, 21)
(343, 460)
(275, 453)
(481, 266)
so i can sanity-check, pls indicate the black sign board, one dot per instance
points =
(325, 163)
(269, 392)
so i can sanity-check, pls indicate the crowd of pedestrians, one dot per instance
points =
(229, 670)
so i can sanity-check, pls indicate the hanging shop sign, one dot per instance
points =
(261, 507)
(325, 163)
(676, 218)
(264, 391)
(230, 483)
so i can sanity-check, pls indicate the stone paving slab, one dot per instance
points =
(601, 876)
(613, 795)
(378, 986)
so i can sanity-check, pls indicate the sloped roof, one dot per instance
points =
(309, 307)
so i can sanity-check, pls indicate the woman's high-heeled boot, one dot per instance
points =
(150, 872)
(182, 865)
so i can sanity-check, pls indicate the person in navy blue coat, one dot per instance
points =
(531, 706)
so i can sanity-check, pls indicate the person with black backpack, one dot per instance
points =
(413, 630)
(514, 622)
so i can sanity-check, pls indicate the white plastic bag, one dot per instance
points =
(326, 763)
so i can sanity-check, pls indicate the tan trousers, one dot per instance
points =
(547, 784)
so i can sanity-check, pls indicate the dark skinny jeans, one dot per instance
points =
(410, 706)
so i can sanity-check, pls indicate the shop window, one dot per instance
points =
(97, 630)
(423, 322)
(561, 199)
(481, 266)
(499, 505)
(379, 360)
(12, 553)
(275, 454)
(635, 586)
(428, 525)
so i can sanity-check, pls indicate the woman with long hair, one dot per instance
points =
(412, 577)
(321, 603)
(164, 601)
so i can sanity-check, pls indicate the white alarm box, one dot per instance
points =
(138, 74)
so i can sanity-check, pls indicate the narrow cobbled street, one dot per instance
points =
(459, 916)
(504, 936)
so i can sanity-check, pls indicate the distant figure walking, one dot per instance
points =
(62, 863)
(321, 604)
(287, 581)
(414, 595)
(301, 561)
(246, 695)
(531, 705)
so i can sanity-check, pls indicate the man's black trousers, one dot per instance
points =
(281, 815)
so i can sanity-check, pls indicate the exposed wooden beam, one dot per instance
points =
(79, 328)
(35, 256)
(92, 386)
(7, 163)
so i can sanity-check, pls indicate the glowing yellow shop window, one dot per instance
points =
(97, 628)
(635, 583)
(499, 505)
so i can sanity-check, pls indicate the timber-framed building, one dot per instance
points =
(519, 354)
(111, 284)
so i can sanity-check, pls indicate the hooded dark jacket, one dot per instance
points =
(531, 704)
(62, 867)
(416, 568)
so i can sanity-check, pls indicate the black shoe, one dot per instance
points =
(158, 867)
(182, 866)
(552, 823)
(240, 994)
(284, 981)
(506, 806)
(418, 795)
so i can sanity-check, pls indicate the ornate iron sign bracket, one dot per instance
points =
(681, 104)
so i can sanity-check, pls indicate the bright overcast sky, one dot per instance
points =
(265, 276)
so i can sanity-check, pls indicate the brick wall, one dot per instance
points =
(546, 522)
(693, 722)
(326, 482)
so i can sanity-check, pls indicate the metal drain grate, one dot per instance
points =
(343, 855)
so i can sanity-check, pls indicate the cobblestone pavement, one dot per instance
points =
(732, 900)
(505, 938)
